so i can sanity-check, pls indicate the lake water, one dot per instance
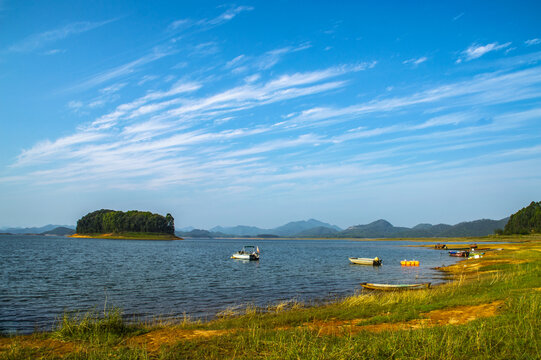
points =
(44, 276)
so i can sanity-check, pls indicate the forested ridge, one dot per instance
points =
(525, 221)
(111, 221)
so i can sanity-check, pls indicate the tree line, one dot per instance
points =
(525, 221)
(111, 221)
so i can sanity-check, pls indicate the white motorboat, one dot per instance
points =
(247, 253)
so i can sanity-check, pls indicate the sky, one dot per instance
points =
(264, 112)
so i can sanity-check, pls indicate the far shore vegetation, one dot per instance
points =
(489, 309)
(133, 225)
(128, 236)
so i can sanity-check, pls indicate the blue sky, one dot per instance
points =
(260, 113)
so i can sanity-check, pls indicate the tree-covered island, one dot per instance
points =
(111, 224)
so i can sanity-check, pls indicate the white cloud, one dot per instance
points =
(146, 78)
(531, 42)
(124, 110)
(458, 16)
(485, 89)
(252, 78)
(476, 51)
(62, 147)
(122, 70)
(54, 51)
(415, 61)
(111, 89)
(75, 104)
(235, 61)
(228, 15)
(40, 40)
(265, 61)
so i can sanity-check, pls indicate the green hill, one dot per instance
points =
(384, 229)
(59, 231)
(525, 221)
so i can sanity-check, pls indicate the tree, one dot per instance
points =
(110, 221)
(525, 221)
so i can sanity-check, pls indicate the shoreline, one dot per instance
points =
(127, 236)
(487, 238)
(493, 300)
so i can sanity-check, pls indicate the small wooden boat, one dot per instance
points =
(247, 253)
(440, 246)
(366, 261)
(391, 287)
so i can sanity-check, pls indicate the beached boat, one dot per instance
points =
(247, 253)
(391, 287)
(366, 261)
(459, 253)
(440, 246)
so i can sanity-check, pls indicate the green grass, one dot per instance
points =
(93, 327)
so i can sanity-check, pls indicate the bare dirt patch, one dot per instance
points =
(170, 336)
(466, 266)
(450, 316)
(332, 327)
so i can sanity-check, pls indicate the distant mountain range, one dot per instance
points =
(35, 230)
(384, 229)
(313, 229)
(59, 231)
(376, 229)
(290, 229)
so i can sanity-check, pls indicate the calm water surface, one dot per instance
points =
(43, 276)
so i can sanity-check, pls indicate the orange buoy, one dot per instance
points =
(403, 262)
(416, 263)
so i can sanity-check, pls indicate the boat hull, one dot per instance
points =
(459, 253)
(390, 287)
(365, 261)
(245, 257)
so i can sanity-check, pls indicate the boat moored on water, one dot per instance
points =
(366, 261)
(248, 252)
(391, 287)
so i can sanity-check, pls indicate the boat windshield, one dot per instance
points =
(248, 248)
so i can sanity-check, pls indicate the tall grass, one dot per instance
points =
(93, 326)
(510, 335)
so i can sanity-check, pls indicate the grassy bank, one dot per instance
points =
(491, 310)
(128, 236)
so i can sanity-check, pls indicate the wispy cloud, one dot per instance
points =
(122, 70)
(43, 151)
(228, 15)
(54, 52)
(458, 16)
(243, 63)
(415, 61)
(531, 42)
(475, 51)
(187, 132)
(39, 40)
(486, 89)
